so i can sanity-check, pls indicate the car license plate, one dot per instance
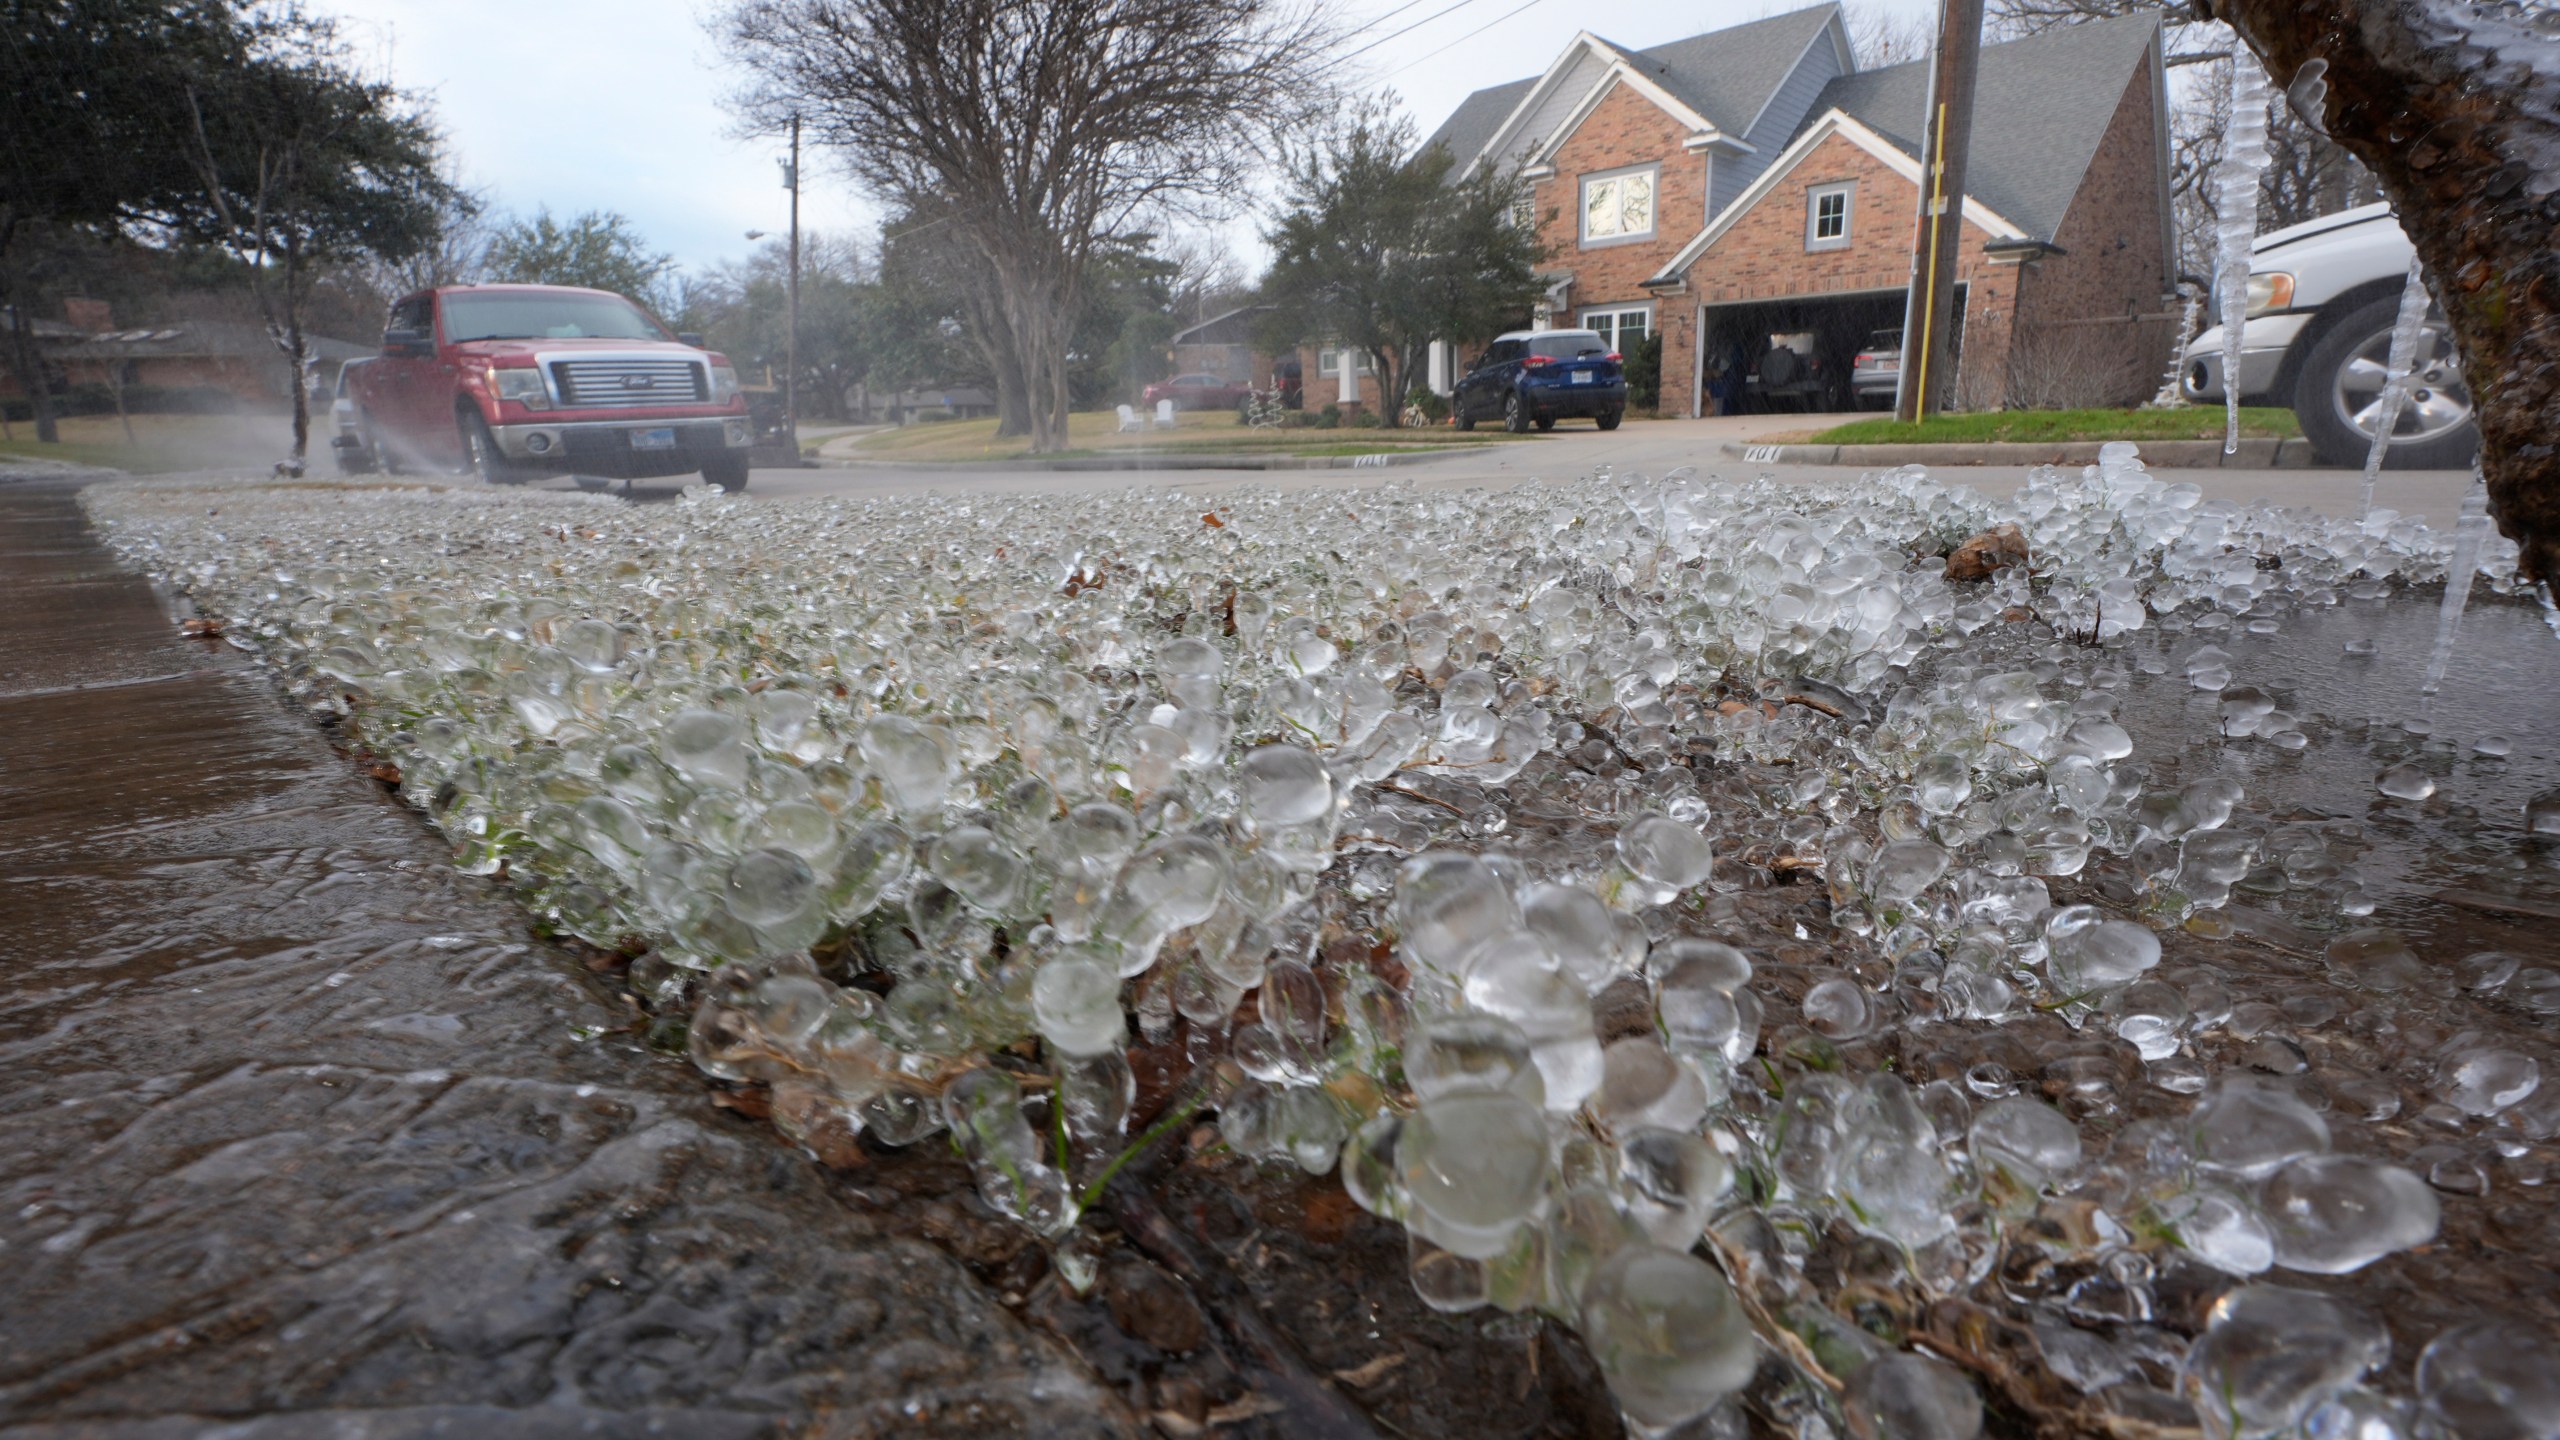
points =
(1581, 377)
(660, 439)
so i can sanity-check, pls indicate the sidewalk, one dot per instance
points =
(301, 1137)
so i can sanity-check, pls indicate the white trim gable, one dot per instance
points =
(1833, 122)
(1617, 70)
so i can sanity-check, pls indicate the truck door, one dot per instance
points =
(392, 383)
(439, 380)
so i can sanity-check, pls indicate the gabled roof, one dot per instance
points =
(206, 339)
(1231, 328)
(2040, 107)
(1730, 75)
(1725, 77)
(1822, 127)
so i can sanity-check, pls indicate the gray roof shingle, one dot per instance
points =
(1726, 75)
(2040, 107)
(1470, 127)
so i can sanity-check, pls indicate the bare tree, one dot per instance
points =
(2456, 109)
(1036, 129)
(1879, 37)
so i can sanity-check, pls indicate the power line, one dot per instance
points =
(1461, 40)
(1409, 29)
(1381, 20)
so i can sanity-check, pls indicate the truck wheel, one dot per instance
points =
(2341, 386)
(355, 459)
(385, 458)
(482, 450)
(728, 471)
(1515, 415)
(1546, 423)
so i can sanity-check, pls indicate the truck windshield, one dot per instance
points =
(531, 315)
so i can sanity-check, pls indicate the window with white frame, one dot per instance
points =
(1618, 206)
(1826, 216)
(1621, 327)
(1329, 362)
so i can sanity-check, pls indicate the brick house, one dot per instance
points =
(1751, 185)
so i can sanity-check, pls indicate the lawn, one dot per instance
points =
(163, 443)
(1197, 432)
(2194, 422)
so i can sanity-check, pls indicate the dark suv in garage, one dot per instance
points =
(1537, 377)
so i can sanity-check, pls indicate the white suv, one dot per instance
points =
(2322, 296)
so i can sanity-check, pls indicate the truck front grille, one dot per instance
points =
(629, 384)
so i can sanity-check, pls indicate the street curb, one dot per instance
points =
(1141, 463)
(2293, 454)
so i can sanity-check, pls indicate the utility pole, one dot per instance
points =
(791, 342)
(1928, 365)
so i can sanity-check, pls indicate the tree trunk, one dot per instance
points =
(30, 367)
(1392, 383)
(2457, 112)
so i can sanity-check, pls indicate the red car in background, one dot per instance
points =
(1201, 391)
(513, 381)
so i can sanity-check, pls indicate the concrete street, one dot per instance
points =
(1650, 447)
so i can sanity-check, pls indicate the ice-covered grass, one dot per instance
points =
(1428, 828)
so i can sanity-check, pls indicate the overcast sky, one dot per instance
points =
(616, 104)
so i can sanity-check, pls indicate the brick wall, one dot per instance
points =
(1624, 129)
(2093, 326)
(1763, 257)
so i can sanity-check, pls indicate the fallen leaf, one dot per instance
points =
(1362, 1377)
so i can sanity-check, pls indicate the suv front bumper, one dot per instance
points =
(2263, 344)
(606, 445)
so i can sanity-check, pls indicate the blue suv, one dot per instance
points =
(1537, 377)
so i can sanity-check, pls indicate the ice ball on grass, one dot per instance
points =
(2270, 1355)
(2247, 1127)
(2026, 1144)
(1668, 1333)
(2089, 952)
(1446, 905)
(1910, 1397)
(2490, 1381)
(1449, 1054)
(1661, 858)
(1075, 999)
(2330, 1214)
(1474, 1166)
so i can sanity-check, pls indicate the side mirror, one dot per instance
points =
(689, 337)
(403, 342)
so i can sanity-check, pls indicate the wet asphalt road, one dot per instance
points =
(302, 1138)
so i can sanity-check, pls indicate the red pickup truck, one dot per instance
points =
(517, 380)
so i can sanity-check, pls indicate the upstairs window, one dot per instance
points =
(1617, 206)
(1826, 221)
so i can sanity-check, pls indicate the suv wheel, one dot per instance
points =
(1609, 419)
(2339, 393)
(481, 448)
(1515, 415)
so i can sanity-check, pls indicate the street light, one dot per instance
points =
(755, 234)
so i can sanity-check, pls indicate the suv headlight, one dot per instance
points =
(522, 385)
(2269, 290)
(724, 384)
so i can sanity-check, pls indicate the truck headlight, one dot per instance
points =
(724, 384)
(523, 386)
(2269, 290)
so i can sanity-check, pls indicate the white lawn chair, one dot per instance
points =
(1129, 420)
(1164, 415)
